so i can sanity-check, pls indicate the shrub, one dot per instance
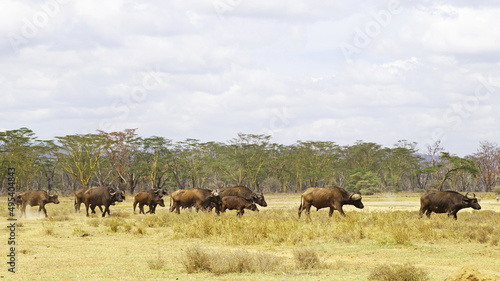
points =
(306, 258)
(78, 231)
(114, 223)
(48, 228)
(497, 190)
(195, 260)
(156, 263)
(398, 272)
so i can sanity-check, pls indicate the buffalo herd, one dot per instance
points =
(235, 198)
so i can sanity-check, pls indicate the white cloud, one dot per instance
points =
(258, 67)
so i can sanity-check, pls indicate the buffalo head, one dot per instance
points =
(116, 195)
(259, 199)
(160, 202)
(355, 199)
(253, 207)
(472, 201)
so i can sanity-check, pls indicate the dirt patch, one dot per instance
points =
(469, 274)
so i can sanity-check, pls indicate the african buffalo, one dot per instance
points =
(243, 192)
(199, 198)
(37, 198)
(237, 203)
(18, 200)
(446, 202)
(328, 197)
(79, 199)
(102, 196)
(149, 198)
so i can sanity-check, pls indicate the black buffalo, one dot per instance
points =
(102, 196)
(446, 202)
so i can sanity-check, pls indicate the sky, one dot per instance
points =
(308, 70)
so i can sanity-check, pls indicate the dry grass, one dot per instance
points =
(398, 272)
(270, 245)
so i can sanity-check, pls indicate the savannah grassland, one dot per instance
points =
(270, 245)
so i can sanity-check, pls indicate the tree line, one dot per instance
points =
(133, 163)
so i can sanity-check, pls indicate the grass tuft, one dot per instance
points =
(48, 228)
(398, 272)
(306, 258)
(156, 263)
(196, 260)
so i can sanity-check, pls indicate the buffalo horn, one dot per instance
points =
(355, 197)
(466, 194)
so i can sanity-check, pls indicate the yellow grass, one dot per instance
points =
(128, 246)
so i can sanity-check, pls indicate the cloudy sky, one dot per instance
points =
(341, 71)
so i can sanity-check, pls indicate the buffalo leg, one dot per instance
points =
(87, 208)
(331, 211)
(453, 213)
(428, 213)
(135, 204)
(240, 212)
(141, 208)
(106, 210)
(42, 207)
(421, 212)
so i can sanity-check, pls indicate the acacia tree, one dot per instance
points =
(161, 162)
(454, 166)
(20, 151)
(80, 155)
(48, 161)
(487, 159)
(398, 165)
(247, 155)
(317, 159)
(125, 157)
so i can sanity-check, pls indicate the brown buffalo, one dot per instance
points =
(102, 196)
(446, 202)
(328, 197)
(237, 203)
(37, 198)
(149, 198)
(18, 200)
(243, 192)
(199, 198)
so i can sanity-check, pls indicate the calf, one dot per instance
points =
(149, 198)
(237, 203)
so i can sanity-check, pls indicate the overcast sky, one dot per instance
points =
(341, 71)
